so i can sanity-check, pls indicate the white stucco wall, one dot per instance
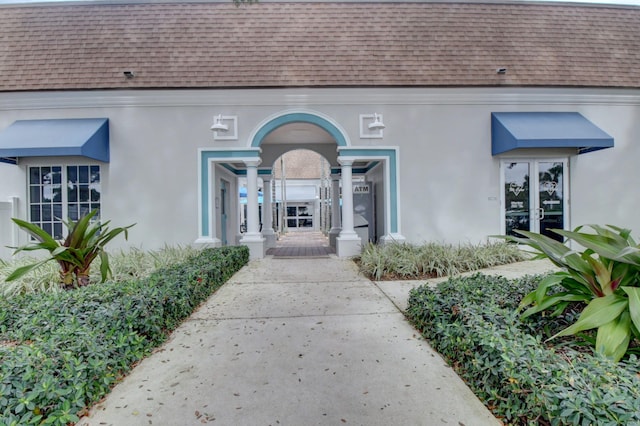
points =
(449, 182)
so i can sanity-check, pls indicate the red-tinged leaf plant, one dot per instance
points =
(75, 254)
(605, 276)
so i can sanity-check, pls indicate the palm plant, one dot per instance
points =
(75, 254)
(605, 276)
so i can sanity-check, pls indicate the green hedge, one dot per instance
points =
(62, 352)
(472, 322)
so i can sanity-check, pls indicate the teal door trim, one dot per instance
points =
(390, 155)
(206, 158)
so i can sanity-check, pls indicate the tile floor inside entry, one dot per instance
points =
(301, 244)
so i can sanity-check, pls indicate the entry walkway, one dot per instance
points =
(302, 244)
(294, 342)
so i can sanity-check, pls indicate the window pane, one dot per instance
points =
(57, 231)
(72, 191)
(84, 193)
(95, 191)
(35, 213)
(57, 192)
(47, 228)
(57, 211)
(73, 211)
(34, 194)
(83, 172)
(95, 173)
(72, 174)
(46, 213)
(96, 207)
(34, 175)
(56, 175)
(84, 209)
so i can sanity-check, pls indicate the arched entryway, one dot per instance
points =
(282, 133)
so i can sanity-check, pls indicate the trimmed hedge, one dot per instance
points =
(62, 352)
(473, 323)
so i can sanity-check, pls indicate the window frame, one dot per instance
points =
(79, 177)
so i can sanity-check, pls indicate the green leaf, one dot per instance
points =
(609, 246)
(37, 232)
(23, 270)
(553, 300)
(599, 311)
(634, 304)
(105, 270)
(613, 337)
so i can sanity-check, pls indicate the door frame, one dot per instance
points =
(534, 198)
(224, 210)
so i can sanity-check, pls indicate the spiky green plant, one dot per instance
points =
(74, 255)
(605, 276)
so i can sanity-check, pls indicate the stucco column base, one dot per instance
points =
(333, 234)
(204, 242)
(392, 238)
(348, 245)
(256, 244)
(270, 238)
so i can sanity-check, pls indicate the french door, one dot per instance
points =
(535, 196)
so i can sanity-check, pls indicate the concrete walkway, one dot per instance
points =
(294, 342)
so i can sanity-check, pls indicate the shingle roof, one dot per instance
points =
(216, 45)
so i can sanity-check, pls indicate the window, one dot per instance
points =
(50, 201)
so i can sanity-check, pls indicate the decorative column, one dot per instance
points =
(267, 216)
(348, 243)
(335, 210)
(253, 238)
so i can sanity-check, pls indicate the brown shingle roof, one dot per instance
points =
(215, 45)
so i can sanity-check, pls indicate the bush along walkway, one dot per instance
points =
(62, 352)
(473, 322)
(294, 342)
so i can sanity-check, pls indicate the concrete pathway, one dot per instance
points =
(294, 342)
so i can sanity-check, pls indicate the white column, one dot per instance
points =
(348, 243)
(252, 238)
(211, 211)
(335, 210)
(267, 216)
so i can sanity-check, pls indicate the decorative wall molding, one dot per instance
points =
(306, 97)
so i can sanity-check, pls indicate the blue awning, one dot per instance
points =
(85, 137)
(513, 130)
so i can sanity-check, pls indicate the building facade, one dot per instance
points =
(464, 120)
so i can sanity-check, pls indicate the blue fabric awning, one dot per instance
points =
(513, 130)
(86, 137)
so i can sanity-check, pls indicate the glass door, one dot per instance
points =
(550, 207)
(534, 196)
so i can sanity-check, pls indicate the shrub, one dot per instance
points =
(132, 263)
(605, 276)
(409, 261)
(473, 323)
(61, 352)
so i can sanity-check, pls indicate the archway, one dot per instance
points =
(300, 129)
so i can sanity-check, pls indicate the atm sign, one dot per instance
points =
(360, 189)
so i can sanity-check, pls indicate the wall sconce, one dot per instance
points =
(377, 123)
(218, 125)
(371, 126)
(225, 127)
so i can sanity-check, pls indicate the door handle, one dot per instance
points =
(540, 213)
